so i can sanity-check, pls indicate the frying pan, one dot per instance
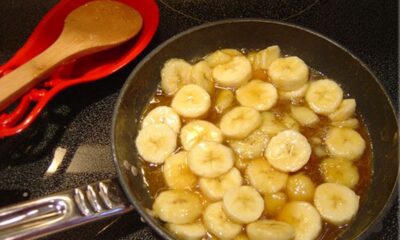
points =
(111, 197)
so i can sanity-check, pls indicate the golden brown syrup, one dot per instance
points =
(154, 177)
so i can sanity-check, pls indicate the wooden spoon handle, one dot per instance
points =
(17, 82)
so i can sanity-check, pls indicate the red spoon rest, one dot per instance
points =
(86, 69)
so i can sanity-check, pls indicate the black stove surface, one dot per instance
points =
(69, 145)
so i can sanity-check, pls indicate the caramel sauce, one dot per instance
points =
(154, 177)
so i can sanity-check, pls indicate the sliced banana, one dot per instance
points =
(257, 94)
(232, 52)
(263, 58)
(177, 206)
(320, 151)
(210, 159)
(242, 163)
(156, 142)
(218, 224)
(241, 236)
(215, 188)
(191, 101)
(288, 151)
(344, 143)
(175, 74)
(190, 231)
(269, 229)
(289, 73)
(243, 204)
(339, 170)
(345, 110)
(264, 177)
(251, 56)
(336, 203)
(176, 172)
(274, 202)
(252, 146)
(303, 115)
(270, 124)
(202, 76)
(224, 100)
(300, 187)
(290, 122)
(163, 114)
(294, 94)
(348, 123)
(324, 96)
(234, 73)
(304, 218)
(218, 57)
(197, 131)
(239, 122)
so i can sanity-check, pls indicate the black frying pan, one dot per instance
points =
(317, 51)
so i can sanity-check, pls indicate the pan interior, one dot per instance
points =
(337, 63)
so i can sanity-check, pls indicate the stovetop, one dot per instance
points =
(69, 145)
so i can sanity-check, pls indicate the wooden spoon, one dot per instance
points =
(90, 28)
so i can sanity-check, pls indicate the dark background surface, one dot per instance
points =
(78, 121)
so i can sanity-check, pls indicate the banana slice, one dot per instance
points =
(218, 224)
(304, 115)
(177, 206)
(224, 100)
(202, 76)
(348, 123)
(190, 231)
(345, 111)
(210, 159)
(288, 74)
(175, 74)
(324, 96)
(274, 202)
(232, 52)
(300, 187)
(320, 151)
(191, 101)
(345, 143)
(252, 146)
(304, 218)
(336, 203)
(176, 172)
(234, 73)
(241, 236)
(156, 142)
(257, 94)
(270, 124)
(218, 57)
(240, 122)
(339, 170)
(243, 204)
(215, 188)
(269, 229)
(197, 131)
(251, 56)
(289, 122)
(163, 114)
(263, 58)
(288, 151)
(294, 94)
(242, 163)
(264, 177)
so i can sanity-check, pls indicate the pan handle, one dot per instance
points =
(63, 210)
